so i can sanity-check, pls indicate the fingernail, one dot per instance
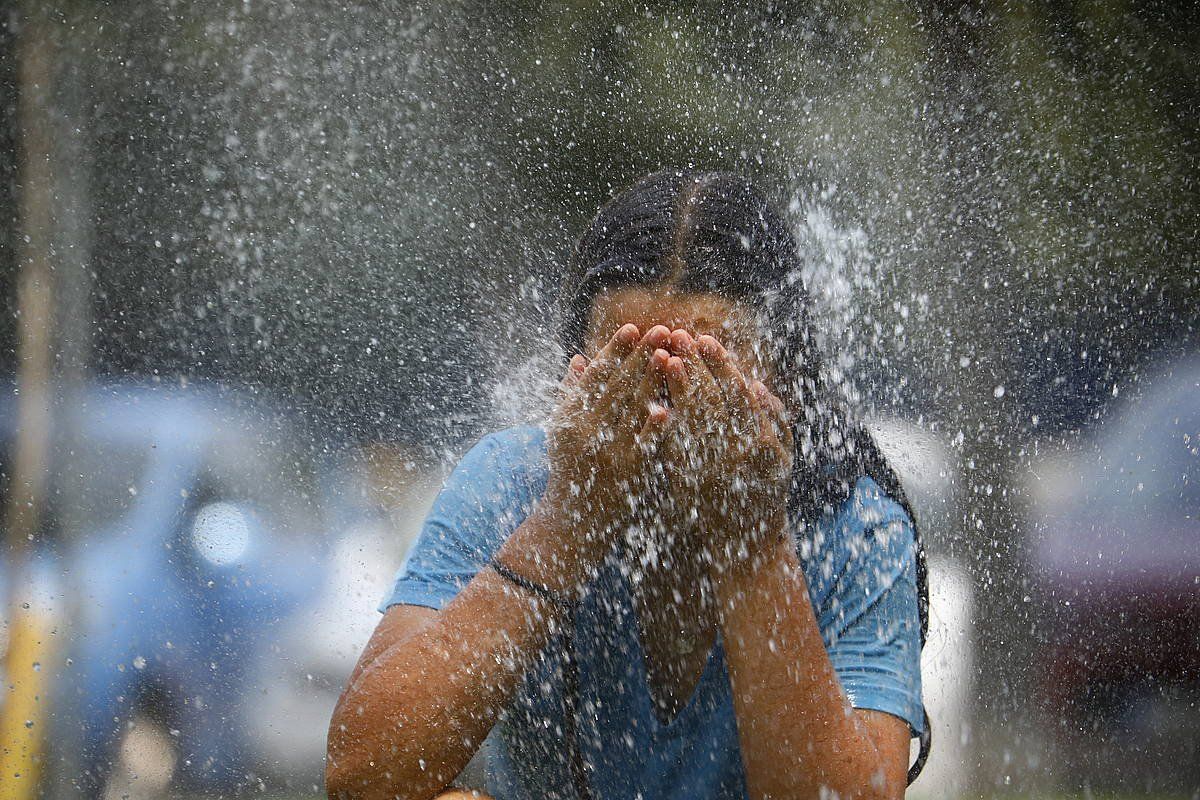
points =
(712, 346)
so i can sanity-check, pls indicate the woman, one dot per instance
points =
(698, 581)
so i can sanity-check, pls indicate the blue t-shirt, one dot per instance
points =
(859, 564)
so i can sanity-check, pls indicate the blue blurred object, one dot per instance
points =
(1125, 509)
(1115, 541)
(184, 525)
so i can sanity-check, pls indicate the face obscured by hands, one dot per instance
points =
(721, 443)
(729, 322)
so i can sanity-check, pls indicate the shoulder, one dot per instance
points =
(869, 533)
(871, 508)
(484, 498)
(518, 452)
(876, 535)
(517, 442)
(865, 511)
(507, 464)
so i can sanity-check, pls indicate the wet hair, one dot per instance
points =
(694, 232)
(715, 232)
(705, 232)
(697, 232)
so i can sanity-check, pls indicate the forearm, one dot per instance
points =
(413, 718)
(797, 731)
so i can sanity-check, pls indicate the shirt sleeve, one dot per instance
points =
(875, 644)
(485, 498)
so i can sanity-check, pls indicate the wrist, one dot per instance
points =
(550, 549)
(770, 548)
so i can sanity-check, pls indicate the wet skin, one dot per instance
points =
(429, 684)
(697, 344)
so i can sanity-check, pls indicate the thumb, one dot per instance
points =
(658, 423)
(574, 370)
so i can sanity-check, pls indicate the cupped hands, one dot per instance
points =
(679, 407)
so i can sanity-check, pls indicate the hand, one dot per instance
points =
(602, 436)
(729, 452)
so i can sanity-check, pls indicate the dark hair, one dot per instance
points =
(699, 232)
(715, 232)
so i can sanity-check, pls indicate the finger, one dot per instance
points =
(629, 375)
(658, 423)
(658, 336)
(774, 414)
(578, 363)
(735, 391)
(764, 412)
(681, 342)
(653, 383)
(706, 401)
(611, 355)
(679, 384)
(643, 390)
(569, 398)
(783, 421)
(683, 365)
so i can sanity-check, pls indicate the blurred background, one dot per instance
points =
(269, 268)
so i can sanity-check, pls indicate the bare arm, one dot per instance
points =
(799, 736)
(430, 685)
